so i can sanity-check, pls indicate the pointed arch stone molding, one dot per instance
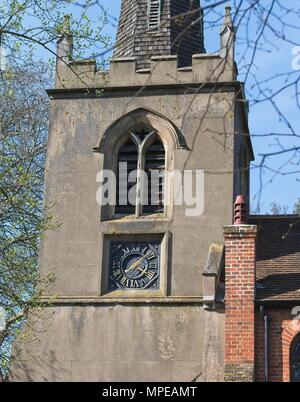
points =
(170, 134)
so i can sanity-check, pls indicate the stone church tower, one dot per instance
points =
(139, 288)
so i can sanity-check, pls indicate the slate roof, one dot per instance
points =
(278, 258)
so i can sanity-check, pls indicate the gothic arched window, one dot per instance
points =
(295, 360)
(140, 176)
(146, 141)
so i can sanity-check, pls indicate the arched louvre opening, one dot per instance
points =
(154, 10)
(127, 165)
(295, 360)
(155, 172)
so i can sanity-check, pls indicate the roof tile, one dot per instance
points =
(278, 257)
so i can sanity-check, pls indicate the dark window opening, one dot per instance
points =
(155, 169)
(295, 360)
(128, 155)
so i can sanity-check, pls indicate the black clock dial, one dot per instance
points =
(134, 265)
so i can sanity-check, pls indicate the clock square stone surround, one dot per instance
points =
(164, 265)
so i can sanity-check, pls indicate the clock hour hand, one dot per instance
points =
(141, 269)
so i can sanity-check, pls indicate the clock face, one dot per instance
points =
(134, 265)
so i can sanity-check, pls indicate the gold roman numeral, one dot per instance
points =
(134, 283)
(153, 265)
(117, 272)
(151, 255)
(125, 282)
(150, 275)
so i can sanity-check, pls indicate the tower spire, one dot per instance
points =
(160, 28)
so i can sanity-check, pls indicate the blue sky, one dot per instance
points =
(275, 58)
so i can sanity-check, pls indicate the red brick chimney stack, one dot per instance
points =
(239, 296)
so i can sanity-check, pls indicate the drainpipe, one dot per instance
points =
(266, 343)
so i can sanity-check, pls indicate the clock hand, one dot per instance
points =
(135, 264)
(141, 269)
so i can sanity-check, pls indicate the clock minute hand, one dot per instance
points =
(135, 264)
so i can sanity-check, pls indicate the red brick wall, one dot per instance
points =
(239, 302)
(281, 335)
